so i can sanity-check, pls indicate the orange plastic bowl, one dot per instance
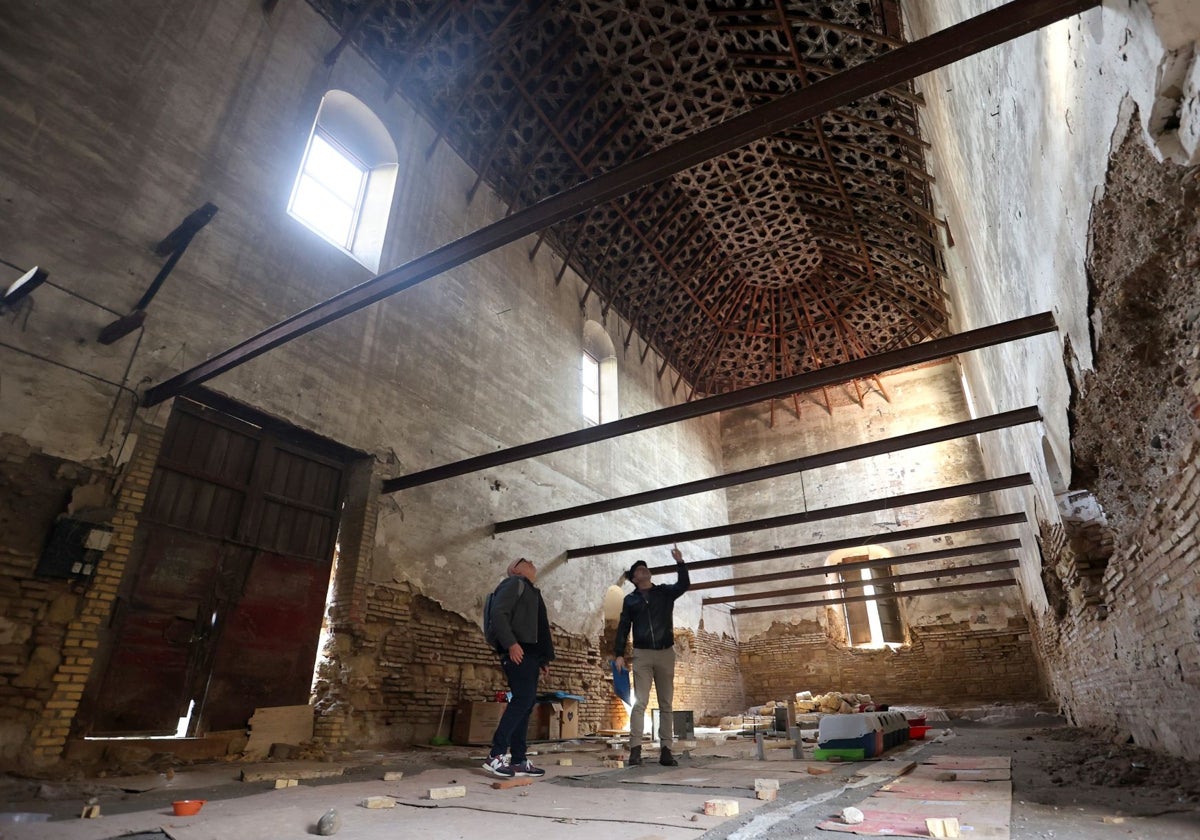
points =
(188, 807)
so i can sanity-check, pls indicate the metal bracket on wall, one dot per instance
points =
(172, 246)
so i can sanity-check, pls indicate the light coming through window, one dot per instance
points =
(329, 191)
(591, 390)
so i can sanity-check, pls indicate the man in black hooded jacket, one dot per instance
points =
(649, 612)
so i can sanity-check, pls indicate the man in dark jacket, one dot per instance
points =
(522, 632)
(649, 611)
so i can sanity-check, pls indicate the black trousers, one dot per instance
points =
(514, 723)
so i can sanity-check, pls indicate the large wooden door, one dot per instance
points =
(223, 599)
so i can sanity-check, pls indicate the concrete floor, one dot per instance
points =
(1066, 785)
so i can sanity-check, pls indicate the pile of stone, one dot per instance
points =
(834, 702)
(761, 718)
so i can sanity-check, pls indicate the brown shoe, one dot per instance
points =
(635, 757)
(666, 759)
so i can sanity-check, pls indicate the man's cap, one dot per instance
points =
(512, 567)
(632, 569)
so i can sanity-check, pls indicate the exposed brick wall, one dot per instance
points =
(946, 665)
(355, 539)
(708, 679)
(34, 614)
(391, 673)
(1130, 662)
(81, 639)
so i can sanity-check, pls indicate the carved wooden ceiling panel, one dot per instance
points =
(813, 246)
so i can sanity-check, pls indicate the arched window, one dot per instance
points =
(869, 623)
(598, 376)
(344, 189)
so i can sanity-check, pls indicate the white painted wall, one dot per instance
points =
(1021, 137)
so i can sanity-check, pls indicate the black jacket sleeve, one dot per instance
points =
(682, 583)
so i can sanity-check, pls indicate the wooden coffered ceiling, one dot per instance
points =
(812, 246)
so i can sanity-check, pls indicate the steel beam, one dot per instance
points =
(808, 462)
(974, 35)
(833, 375)
(951, 571)
(851, 542)
(969, 489)
(857, 565)
(852, 599)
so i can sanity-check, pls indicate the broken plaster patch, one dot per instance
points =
(1173, 116)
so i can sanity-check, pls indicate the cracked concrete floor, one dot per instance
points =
(1067, 784)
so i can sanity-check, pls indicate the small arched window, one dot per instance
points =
(598, 375)
(343, 191)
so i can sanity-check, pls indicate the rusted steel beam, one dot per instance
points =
(892, 596)
(823, 459)
(977, 524)
(869, 506)
(877, 563)
(945, 47)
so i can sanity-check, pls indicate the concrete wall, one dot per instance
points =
(119, 119)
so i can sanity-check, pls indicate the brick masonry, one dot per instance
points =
(80, 641)
(34, 613)
(708, 680)
(390, 676)
(944, 665)
(1128, 661)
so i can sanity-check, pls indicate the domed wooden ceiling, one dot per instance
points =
(814, 246)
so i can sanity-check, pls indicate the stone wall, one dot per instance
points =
(947, 665)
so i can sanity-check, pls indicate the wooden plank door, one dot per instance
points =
(225, 592)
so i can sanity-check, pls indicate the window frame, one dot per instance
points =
(356, 210)
(590, 362)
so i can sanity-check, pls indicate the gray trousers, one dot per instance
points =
(657, 666)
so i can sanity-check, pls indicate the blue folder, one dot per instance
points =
(621, 683)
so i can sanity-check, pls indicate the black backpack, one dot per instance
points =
(489, 631)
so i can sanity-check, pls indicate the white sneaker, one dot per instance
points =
(498, 765)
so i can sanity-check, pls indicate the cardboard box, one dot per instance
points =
(475, 722)
(568, 719)
(554, 720)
